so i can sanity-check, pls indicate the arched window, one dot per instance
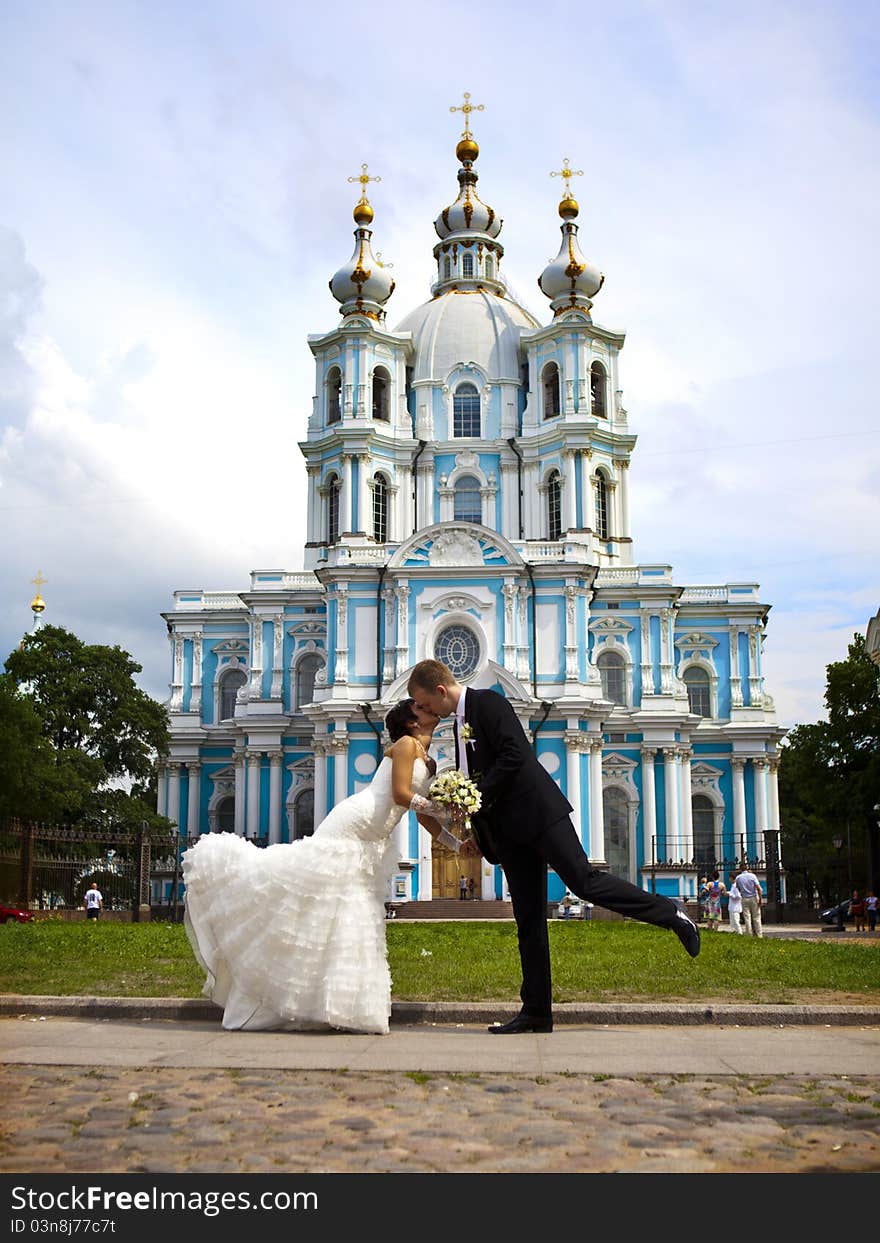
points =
(226, 815)
(468, 502)
(380, 509)
(554, 506)
(699, 693)
(467, 267)
(703, 819)
(229, 687)
(612, 670)
(457, 647)
(615, 812)
(447, 268)
(334, 395)
(466, 411)
(304, 679)
(381, 392)
(304, 814)
(550, 380)
(490, 267)
(331, 489)
(597, 391)
(601, 506)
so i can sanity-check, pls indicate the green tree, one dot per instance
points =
(99, 726)
(829, 781)
(36, 783)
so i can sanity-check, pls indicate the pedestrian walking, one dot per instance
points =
(857, 910)
(871, 902)
(734, 908)
(750, 891)
(93, 901)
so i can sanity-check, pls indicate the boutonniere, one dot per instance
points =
(467, 734)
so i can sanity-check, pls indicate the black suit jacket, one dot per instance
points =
(520, 798)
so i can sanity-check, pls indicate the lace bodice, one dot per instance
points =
(371, 814)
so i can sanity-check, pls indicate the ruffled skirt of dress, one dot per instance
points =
(292, 936)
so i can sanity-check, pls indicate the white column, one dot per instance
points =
(176, 702)
(340, 676)
(510, 592)
(573, 744)
(320, 747)
(364, 495)
(687, 811)
(756, 694)
(510, 499)
(402, 594)
(739, 803)
(759, 768)
(275, 758)
(649, 806)
(162, 790)
(193, 801)
(624, 498)
(773, 781)
(670, 787)
(424, 496)
(597, 813)
(195, 698)
(646, 659)
(389, 648)
(568, 490)
(277, 657)
(345, 522)
(256, 687)
(666, 649)
(314, 531)
(340, 766)
(174, 792)
(239, 793)
(253, 794)
(588, 496)
(571, 646)
(736, 695)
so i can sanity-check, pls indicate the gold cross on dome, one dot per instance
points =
(364, 180)
(39, 580)
(467, 108)
(568, 173)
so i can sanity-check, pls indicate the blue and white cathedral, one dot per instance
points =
(468, 499)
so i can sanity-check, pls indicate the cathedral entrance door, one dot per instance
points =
(447, 870)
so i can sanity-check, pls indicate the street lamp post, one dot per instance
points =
(837, 843)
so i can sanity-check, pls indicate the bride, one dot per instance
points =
(292, 936)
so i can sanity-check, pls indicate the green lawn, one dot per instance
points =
(462, 960)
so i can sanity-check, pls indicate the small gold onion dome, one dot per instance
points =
(363, 213)
(467, 150)
(568, 208)
(38, 604)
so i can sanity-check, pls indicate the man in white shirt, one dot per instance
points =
(93, 901)
(750, 891)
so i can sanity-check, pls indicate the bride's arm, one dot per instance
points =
(403, 757)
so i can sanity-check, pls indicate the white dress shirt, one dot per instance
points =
(462, 745)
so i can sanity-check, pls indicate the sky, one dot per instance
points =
(176, 198)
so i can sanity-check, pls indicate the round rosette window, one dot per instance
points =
(458, 648)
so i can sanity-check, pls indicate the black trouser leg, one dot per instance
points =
(563, 851)
(527, 881)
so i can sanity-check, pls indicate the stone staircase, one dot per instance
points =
(454, 908)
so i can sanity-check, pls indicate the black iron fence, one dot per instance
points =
(49, 867)
(759, 850)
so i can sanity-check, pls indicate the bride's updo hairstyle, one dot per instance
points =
(400, 718)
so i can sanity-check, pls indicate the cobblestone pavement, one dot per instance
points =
(62, 1119)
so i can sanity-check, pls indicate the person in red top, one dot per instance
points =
(857, 910)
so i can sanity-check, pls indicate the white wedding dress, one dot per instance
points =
(292, 936)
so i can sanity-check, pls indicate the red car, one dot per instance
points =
(14, 914)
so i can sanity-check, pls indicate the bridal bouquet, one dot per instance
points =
(454, 790)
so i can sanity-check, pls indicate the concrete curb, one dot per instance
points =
(415, 1013)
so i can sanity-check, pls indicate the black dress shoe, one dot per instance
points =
(522, 1023)
(687, 932)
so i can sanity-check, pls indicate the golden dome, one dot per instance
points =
(467, 150)
(38, 604)
(363, 213)
(568, 208)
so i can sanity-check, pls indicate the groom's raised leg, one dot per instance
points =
(565, 854)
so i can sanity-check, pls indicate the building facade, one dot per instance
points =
(468, 499)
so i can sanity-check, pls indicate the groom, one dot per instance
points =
(524, 824)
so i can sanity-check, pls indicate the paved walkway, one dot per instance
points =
(114, 1094)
